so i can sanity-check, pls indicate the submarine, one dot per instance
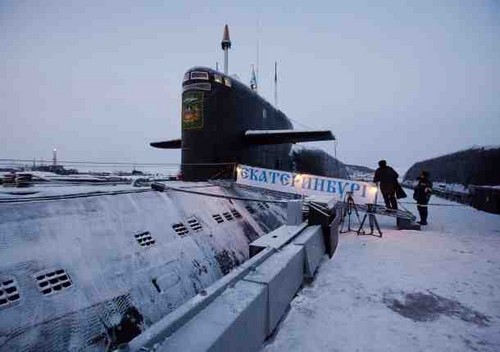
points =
(91, 268)
(225, 122)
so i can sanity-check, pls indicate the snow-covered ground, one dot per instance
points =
(431, 290)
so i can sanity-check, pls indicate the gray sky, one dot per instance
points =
(398, 80)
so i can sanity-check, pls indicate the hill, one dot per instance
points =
(474, 166)
(318, 162)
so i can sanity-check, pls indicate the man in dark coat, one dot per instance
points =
(388, 182)
(422, 195)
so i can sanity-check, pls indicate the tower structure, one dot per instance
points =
(54, 157)
(226, 45)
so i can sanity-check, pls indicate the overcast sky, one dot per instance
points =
(99, 80)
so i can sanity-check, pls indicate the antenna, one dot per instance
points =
(216, 65)
(226, 45)
(257, 61)
(276, 84)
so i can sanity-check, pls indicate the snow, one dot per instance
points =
(272, 132)
(431, 290)
(489, 187)
(49, 190)
(55, 189)
(450, 187)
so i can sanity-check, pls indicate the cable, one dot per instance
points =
(437, 204)
(160, 187)
(300, 123)
(95, 163)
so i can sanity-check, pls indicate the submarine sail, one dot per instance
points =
(225, 122)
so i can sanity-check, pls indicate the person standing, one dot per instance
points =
(388, 182)
(422, 195)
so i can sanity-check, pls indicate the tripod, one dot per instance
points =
(372, 220)
(348, 212)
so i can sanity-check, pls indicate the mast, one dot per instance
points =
(54, 157)
(226, 45)
(253, 80)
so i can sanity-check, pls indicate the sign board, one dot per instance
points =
(192, 110)
(307, 185)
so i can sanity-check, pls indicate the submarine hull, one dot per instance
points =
(92, 272)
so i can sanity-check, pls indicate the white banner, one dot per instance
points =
(307, 185)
